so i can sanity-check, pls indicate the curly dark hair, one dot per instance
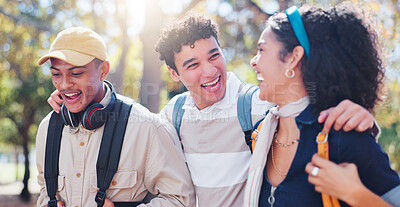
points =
(344, 58)
(187, 30)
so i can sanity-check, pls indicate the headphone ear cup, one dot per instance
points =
(93, 117)
(69, 118)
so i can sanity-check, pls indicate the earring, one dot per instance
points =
(290, 73)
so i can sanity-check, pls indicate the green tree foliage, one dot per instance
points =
(28, 28)
(388, 117)
(25, 86)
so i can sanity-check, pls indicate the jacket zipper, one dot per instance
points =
(271, 198)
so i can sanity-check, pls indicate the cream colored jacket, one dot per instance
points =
(149, 162)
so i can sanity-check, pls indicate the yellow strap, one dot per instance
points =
(323, 151)
(254, 136)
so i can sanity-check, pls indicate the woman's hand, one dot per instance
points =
(336, 180)
(55, 101)
(341, 181)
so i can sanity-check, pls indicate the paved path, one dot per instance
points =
(15, 201)
(9, 195)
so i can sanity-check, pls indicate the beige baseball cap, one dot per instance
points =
(76, 46)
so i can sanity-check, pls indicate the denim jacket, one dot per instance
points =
(359, 148)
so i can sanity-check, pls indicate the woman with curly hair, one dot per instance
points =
(309, 60)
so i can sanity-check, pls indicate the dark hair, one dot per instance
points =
(344, 58)
(184, 31)
(97, 62)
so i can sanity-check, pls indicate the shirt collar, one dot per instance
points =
(107, 97)
(232, 87)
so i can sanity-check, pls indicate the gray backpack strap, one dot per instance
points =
(178, 112)
(244, 111)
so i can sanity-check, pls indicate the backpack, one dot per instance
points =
(243, 112)
(107, 160)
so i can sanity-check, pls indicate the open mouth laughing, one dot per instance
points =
(260, 77)
(213, 84)
(72, 96)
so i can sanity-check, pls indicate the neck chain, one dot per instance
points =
(282, 144)
(273, 160)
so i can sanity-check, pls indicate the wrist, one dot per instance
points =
(355, 198)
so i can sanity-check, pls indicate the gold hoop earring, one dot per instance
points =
(290, 73)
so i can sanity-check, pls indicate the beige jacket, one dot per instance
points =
(148, 162)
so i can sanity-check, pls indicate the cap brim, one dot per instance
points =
(69, 56)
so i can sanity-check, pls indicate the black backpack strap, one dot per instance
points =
(52, 154)
(110, 148)
(126, 204)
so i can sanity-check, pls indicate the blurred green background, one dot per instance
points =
(130, 29)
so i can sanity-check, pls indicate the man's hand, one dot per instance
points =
(59, 204)
(108, 203)
(55, 101)
(347, 116)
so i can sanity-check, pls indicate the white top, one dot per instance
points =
(214, 146)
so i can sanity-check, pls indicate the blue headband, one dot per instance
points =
(298, 28)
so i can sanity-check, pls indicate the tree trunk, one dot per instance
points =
(151, 80)
(25, 194)
(23, 130)
(117, 77)
(16, 164)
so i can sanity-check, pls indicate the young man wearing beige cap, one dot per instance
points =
(148, 160)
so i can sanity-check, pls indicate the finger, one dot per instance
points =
(313, 180)
(344, 164)
(350, 166)
(365, 124)
(60, 204)
(108, 203)
(56, 107)
(331, 115)
(319, 189)
(345, 116)
(353, 122)
(321, 162)
(317, 181)
(335, 112)
(322, 115)
(309, 168)
(56, 96)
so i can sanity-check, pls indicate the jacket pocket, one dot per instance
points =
(121, 187)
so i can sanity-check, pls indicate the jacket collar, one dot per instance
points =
(307, 116)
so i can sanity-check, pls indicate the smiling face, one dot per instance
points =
(274, 85)
(79, 85)
(202, 69)
(270, 69)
